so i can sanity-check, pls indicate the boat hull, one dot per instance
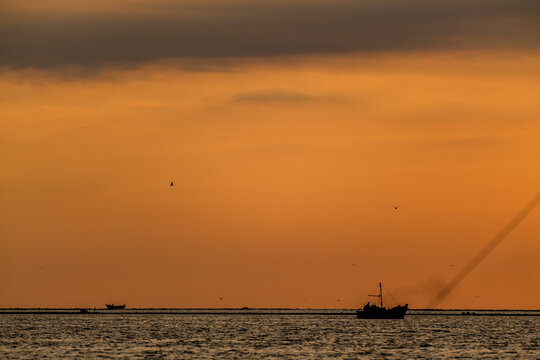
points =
(115, 307)
(382, 313)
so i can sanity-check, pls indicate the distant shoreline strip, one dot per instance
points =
(244, 313)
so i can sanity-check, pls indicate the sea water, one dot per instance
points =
(273, 335)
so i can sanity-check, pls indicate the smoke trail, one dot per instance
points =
(486, 250)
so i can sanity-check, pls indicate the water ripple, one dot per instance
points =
(274, 336)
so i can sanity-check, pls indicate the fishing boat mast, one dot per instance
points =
(380, 293)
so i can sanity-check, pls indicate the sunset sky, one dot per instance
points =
(289, 128)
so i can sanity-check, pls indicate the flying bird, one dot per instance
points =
(172, 183)
(395, 206)
(220, 298)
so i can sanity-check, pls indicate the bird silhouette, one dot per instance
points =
(172, 183)
(395, 206)
(220, 298)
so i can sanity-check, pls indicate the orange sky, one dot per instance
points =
(284, 171)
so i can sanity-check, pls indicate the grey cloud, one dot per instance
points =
(264, 28)
(270, 96)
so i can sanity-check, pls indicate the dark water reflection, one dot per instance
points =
(248, 336)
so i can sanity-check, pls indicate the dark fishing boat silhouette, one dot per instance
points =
(115, 307)
(380, 312)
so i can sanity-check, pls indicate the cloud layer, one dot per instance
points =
(271, 95)
(150, 31)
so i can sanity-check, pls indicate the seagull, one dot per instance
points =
(172, 183)
(395, 206)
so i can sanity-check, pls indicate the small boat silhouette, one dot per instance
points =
(380, 312)
(115, 307)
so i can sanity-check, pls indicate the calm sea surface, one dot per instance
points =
(250, 336)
